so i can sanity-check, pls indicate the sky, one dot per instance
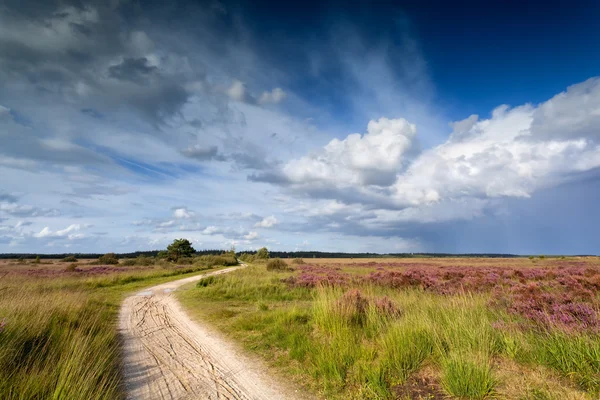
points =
(420, 126)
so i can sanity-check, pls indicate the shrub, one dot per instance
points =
(185, 260)
(129, 262)
(144, 261)
(298, 261)
(69, 259)
(262, 254)
(247, 257)
(109, 258)
(212, 260)
(277, 264)
(71, 267)
(37, 260)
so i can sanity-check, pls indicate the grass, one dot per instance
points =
(60, 337)
(353, 339)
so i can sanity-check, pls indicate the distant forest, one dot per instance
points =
(281, 254)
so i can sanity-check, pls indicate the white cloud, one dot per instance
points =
(211, 230)
(267, 222)
(238, 91)
(358, 160)
(514, 153)
(251, 235)
(183, 213)
(275, 96)
(68, 232)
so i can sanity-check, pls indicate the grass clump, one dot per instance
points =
(467, 378)
(298, 261)
(406, 347)
(277, 264)
(204, 282)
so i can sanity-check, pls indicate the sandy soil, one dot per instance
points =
(168, 356)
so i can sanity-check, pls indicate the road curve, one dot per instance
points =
(168, 356)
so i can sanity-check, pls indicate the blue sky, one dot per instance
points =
(419, 126)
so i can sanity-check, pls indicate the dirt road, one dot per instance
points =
(167, 356)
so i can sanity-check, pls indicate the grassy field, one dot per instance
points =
(58, 326)
(417, 328)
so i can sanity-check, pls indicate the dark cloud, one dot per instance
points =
(8, 198)
(135, 70)
(201, 153)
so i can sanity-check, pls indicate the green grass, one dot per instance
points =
(60, 340)
(344, 347)
(467, 378)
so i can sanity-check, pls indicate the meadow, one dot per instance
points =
(58, 323)
(426, 328)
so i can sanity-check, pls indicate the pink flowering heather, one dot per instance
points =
(563, 295)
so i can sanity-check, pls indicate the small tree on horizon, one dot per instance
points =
(180, 248)
(262, 253)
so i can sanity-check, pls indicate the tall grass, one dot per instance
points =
(60, 338)
(367, 341)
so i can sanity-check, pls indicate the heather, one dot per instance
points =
(415, 328)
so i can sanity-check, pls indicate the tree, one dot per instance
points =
(180, 248)
(262, 254)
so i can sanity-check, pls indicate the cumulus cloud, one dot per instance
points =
(183, 213)
(239, 92)
(514, 153)
(358, 160)
(68, 232)
(267, 222)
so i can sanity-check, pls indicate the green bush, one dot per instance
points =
(247, 257)
(185, 261)
(262, 254)
(144, 261)
(128, 262)
(298, 261)
(277, 264)
(109, 258)
(69, 259)
(212, 260)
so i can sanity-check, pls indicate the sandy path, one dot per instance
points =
(167, 356)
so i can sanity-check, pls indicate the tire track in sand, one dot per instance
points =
(168, 356)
